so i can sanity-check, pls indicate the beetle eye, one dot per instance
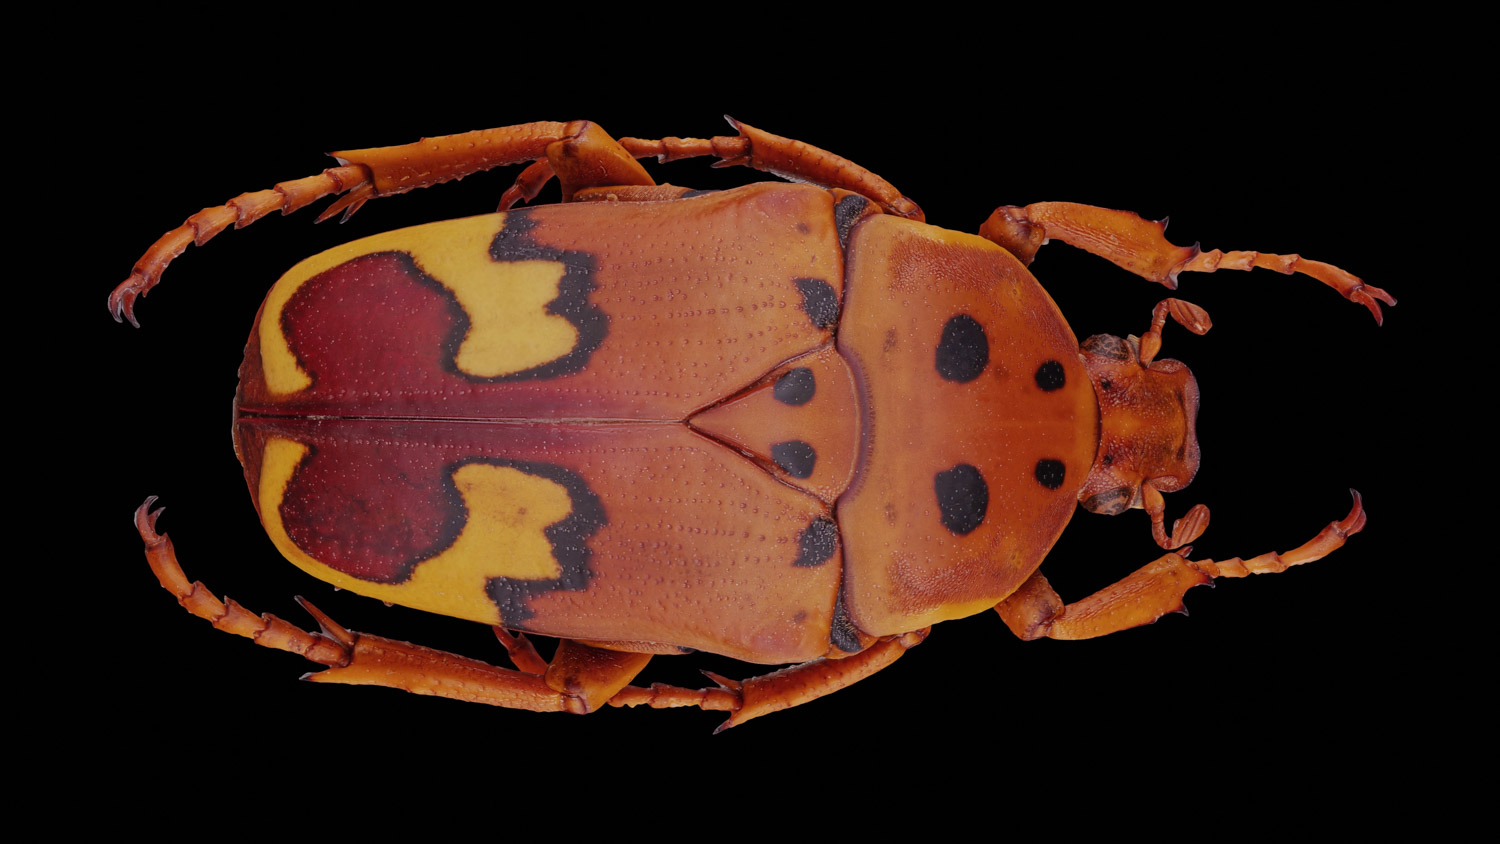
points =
(1110, 502)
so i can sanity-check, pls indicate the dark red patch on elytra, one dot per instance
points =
(371, 322)
(371, 513)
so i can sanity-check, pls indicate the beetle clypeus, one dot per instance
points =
(787, 491)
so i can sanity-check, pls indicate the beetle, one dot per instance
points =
(833, 487)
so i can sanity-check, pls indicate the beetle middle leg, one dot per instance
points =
(1141, 247)
(778, 690)
(754, 148)
(1035, 610)
(785, 157)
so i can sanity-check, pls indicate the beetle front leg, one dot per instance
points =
(1035, 610)
(1141, 247)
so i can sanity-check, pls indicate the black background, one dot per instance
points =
(1310, 672)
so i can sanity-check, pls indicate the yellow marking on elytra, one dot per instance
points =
(503, 537)
(506, 302)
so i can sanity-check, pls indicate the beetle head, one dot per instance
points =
(1147, 425)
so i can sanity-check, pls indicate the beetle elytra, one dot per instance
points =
(835, 589)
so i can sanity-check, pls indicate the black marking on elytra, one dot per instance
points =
(964, 350)
(847, 212)
(569, 539)
(1107, 345)
(963, 498)
(795, 387)
(1050, 473)
(1106, 384)
(1050, 376)
(843, 634)
(514, 243)
(817, 543)
(819, 301)
(796, 457)
(689, 194)
(1111, 502)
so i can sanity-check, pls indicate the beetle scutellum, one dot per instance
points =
(960, 522)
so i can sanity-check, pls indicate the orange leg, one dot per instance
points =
(1140, 246)
(778, 690)
(1035, 610)
(581, 153)
(787, 158)
(580, 678)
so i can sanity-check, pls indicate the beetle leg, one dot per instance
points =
(778, 690)
(789, 159)
(1140, 246)
(266, 630)
(522, 653)
(581, 678)
(239, 212)
(527, 185)
(1035, 610)
(580, 153)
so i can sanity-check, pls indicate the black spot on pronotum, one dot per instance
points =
(964, 350)
(796, 387)
(1107, 345)
(843, 634)
(963, 498)
(819, 301)
(1050, 473)
(847, 212)
(818, 542)
(796, 457)
(1050, 376)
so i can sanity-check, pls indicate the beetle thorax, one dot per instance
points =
(1147, 425)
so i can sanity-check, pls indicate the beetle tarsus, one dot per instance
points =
(266, 630)
(1140, 246)
(1330, 539)
(238, 212)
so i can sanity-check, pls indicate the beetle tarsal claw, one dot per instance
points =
(332, 629)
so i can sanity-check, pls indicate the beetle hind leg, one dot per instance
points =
(1035, 610)
(580, 153)
(579, 679)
